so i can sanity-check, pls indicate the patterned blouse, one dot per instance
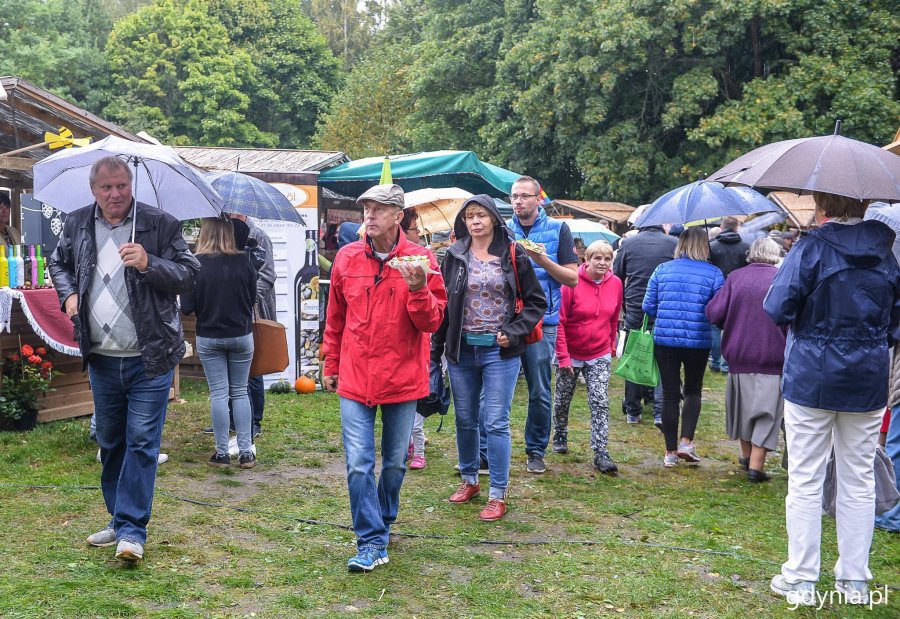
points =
(487, 302)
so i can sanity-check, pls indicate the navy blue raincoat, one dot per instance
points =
(839, 291)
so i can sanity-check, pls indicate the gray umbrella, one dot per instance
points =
(829, 163)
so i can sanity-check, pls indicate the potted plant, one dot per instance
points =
(26, 376)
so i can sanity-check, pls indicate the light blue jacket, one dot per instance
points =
(677, 295)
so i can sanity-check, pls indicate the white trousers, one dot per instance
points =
(418, 436)
(811, 432)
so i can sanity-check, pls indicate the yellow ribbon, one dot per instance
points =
(64, 139)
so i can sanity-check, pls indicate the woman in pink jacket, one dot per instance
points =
(585, 343)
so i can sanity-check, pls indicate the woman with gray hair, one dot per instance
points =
(754, 349)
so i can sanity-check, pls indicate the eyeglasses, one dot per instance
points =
(523, 196)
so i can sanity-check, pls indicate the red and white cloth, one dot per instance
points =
(41, 309)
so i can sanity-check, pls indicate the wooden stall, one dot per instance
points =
(613, 214)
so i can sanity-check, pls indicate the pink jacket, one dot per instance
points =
(588, 318)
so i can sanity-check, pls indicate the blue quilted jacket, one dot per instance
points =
(677, 295)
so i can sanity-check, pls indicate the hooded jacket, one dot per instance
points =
(728, 251)
(839, 290)
(456, 277)
(376, 333)
(588, 318)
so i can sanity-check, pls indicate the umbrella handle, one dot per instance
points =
(134, 199)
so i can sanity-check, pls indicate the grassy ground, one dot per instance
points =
(689, 542)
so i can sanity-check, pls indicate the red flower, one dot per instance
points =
(27, 350)
(13, 357)
(40, 350)
(34, 359)
(45, 374)
(46, 365)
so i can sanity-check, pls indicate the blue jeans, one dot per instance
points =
(538, 362)
(483, 385)
(372, 508)
(226, 362)
(716, 360)
(130, 408)
(890, 519)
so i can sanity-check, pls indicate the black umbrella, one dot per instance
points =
(830, 164)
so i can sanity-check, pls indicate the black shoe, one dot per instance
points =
(605, 464)
(256, 431)
(536, 464)
(657, 421)
(744, 462)
(560, 444)
(208, 430)
(483, 468)
(757, 477)
(248, 460)
(220, 460)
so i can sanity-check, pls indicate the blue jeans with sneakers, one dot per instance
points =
(538, 364)
(374, 507)
(130, 410)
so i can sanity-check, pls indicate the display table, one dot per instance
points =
(33, 317)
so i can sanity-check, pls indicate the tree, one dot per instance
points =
(348, 30)
(178, 74)
(296, 74)
(57, 45)
(369, 116)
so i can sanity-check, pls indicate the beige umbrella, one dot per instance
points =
(437, 208)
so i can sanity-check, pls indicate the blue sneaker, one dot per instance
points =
(367, 559)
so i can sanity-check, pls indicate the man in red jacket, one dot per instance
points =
(380, 314)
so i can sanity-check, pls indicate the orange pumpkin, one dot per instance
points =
(305, 384)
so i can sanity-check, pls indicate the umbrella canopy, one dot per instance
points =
(701, 200)
(250, 196)
(830, 164)
(437, 208)
(161, 179)
(445, 168)
(590, 231)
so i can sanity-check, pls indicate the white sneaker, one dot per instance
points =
(106, 537)
(162, 458)
(131, 552)
(802, 593)
(854, 591)
(233, 450)
(98, 456)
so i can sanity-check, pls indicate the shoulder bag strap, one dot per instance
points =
(512, 252)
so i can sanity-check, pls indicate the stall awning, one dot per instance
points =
(613, 212)
(443, 168)
(260, 160)
(800, 209)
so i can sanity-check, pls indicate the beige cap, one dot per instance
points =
(383, 194)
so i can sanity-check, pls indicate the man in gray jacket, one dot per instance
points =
(635, 262)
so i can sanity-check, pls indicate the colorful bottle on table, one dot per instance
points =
(4, 269)
(12, 268)
(40, 266)
(20, 267)
(26, 264)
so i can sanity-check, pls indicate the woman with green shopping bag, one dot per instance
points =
(677, 295)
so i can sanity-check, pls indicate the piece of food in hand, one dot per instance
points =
(532, 246)
(422, 261)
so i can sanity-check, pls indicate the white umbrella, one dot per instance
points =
(436, 208)
(161, 179)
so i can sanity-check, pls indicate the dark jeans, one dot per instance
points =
(634, 394)
(256, 389)
(670, 360)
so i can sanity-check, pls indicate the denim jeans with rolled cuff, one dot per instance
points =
(483, 386)
(373, 506)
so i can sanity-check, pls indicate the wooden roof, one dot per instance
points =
(27, 111)
(800, 209)
(260, 160)
(611, 211)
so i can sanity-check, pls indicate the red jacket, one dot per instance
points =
(588, 318)
(376, 337)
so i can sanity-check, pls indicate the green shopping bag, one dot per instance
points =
(638, 365)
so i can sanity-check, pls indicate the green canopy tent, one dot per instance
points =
(437, 169)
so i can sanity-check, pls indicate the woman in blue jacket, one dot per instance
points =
(677, 295)
(839, 291)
